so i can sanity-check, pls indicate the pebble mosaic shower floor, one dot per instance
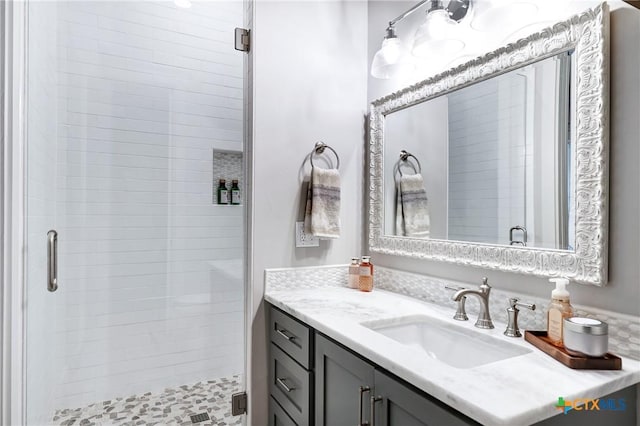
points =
(173, 406)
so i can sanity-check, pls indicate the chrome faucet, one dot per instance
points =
(512, 312)
(484, 317)
(461, 314)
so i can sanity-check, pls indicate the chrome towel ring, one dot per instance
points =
(319, 149)
(404, 157)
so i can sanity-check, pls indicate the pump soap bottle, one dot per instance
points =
(365, 281)
(354, 272)
(559, 309)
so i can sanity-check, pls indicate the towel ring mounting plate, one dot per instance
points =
(319, 149)
(404, 157)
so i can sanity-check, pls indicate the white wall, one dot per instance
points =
(622, 294)
(419, 130)
(151, 279)
(310, 68)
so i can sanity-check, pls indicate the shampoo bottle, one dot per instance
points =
(223, 192)
(559, 309)
(235, 192)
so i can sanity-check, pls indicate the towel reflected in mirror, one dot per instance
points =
(412, 210)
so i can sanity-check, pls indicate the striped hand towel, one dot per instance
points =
(322, 212)
(412, 211)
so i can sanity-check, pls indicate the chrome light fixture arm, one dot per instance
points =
(405, 14)
(457, 10)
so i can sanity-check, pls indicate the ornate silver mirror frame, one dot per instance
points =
(588, 34)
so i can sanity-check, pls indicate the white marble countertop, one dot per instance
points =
(518, 390)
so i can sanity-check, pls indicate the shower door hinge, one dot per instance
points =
(242, 39)
(238, 404)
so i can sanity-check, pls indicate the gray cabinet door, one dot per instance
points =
(400, 405)
(339, 376)
(277, 415)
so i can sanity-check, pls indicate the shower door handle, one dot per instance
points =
(52, 260)
(522, 242)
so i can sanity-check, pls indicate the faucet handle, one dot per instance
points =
(512, 313)
(454, 288)
(515, 303)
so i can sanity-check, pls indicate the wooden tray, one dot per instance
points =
(540, 340)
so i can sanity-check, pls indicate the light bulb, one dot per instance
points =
(438, 23)
(391, 50)
(436, 35)
(381, 68)
(389, 60)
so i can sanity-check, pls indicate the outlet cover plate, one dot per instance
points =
(303, 239)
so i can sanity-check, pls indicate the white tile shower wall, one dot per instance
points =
(150, 271)
(41, 172)
(486, 160)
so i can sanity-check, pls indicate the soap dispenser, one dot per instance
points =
(365, 281)
(559, 309)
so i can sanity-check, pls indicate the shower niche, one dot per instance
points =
(227, 166)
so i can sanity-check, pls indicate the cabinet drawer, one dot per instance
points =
(291, 336)
(277, 416)
(290, 386)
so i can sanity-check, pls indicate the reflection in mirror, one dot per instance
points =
(412, 217)
(496, 161)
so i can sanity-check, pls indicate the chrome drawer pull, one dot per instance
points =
(374, 399)
(284, 334)
(362, 390)
(284, 385)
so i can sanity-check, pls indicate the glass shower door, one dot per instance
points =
(135, 114)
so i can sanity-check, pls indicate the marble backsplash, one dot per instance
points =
(624, 330)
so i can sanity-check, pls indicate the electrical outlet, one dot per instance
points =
(303, 239)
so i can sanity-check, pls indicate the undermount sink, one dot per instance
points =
(453, 345)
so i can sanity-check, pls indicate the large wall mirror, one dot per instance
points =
(501, 162)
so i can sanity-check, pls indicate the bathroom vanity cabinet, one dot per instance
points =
(290, 370)
(314, 380)
(351, 390)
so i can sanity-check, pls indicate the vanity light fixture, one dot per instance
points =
(436, 35)
(433, 36)
(387, 59)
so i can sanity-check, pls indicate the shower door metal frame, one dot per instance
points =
(250, 305)
(13, 40)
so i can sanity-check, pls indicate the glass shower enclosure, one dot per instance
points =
(135, 277)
